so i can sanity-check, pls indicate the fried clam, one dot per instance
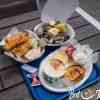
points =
(62, 56)
(14, 40)
(54, 68)
(53, 31)
(21, 50)
(62, 27)
(74, 73)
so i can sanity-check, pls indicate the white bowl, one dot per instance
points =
(71, 33)
(54, 88)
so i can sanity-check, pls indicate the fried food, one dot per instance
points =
(53, 32)
(56, 63)
(22, 46)
(62, 56)
(74, 72)
(14, 40)
(34, 53)
(61, 27)
(22, 49)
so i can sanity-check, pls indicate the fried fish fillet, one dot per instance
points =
(74, 72)
(17, 39)
(22, 49)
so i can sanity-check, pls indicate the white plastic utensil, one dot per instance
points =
(29, 68)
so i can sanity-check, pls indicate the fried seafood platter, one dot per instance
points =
(59, 71)
(22, 46)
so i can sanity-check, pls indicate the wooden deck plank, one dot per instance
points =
(0, 82)
(98, 85)
(23, 26)
(74, 15)
(11, 76)
(17, 93)
(86, 31)
(25, 17)
(19, 18)
(98, 58)
(6, 61)
(77, 22)
(0, 86)
(94, 42)
(92, 7)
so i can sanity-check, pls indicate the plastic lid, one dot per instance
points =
(58, 9)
